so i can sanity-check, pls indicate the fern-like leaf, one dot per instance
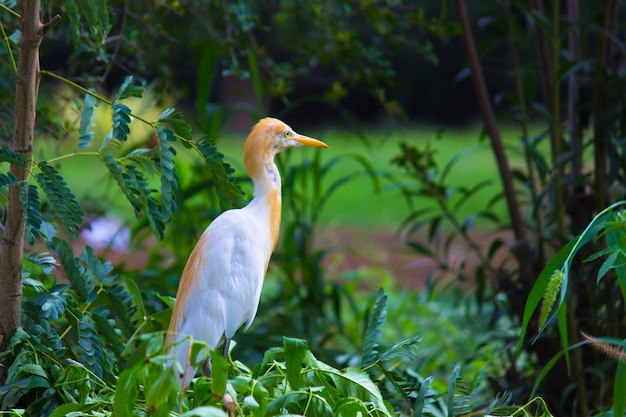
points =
(121, 122)
(423, 396)
(403, 349)
(552, 290)
(96, 16)
(80, 285)
(7, 155)
(60, 197)
(373, 330)
(74, 18)
(127, 90)
(169, 178)
(31, 210)
(146, 159)
(135, 188)
(452, 388)
(178, 123)
(8, 179)
(86, 123)
(91, 350)
(229, 193)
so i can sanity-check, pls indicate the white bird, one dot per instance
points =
(220, 287)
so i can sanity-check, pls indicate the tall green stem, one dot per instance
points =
(556, 123)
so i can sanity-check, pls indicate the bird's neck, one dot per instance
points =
(267, 194)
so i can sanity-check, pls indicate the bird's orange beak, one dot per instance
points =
(307, 141)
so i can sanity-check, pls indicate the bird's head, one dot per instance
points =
(268, 137)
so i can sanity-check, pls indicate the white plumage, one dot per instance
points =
(221, 284)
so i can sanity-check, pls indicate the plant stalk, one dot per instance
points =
(600, 103)
(522, 249)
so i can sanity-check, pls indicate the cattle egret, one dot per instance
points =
(221, 284)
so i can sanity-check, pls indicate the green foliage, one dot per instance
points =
(31, 208)
(373, 331)
(86, 121)
(61, 199)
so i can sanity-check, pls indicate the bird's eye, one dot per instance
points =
(287, 133)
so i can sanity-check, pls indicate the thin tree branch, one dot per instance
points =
(522, 249)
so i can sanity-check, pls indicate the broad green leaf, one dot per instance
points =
(350, 407)
(295, 351)
(33, 369)
(219, 373)
(161, 392)
(126, 393)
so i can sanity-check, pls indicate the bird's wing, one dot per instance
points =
(220, 286)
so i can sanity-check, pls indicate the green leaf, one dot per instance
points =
(229, 193)
(422, 395)
(52, 305)
(373, 330)
(33, 369)
(121, 121)
(97, 18)
(86, 123)
(350, 407)
(160, 391)
(91, 350)
(538, 290)
(70, 266)
(31, 210)
(60, 197)
(454, 377)
(126, 393)
(135, 188)
(607, 264)
(71, 410)
(353, 382)
(7, 155)
(219, 373)
(127, 90)
(178, 123)
(169, 177)
(8, 179)
(74, 19)
(295, 351)
(402, 349)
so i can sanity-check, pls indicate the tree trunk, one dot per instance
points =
(12, 243)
